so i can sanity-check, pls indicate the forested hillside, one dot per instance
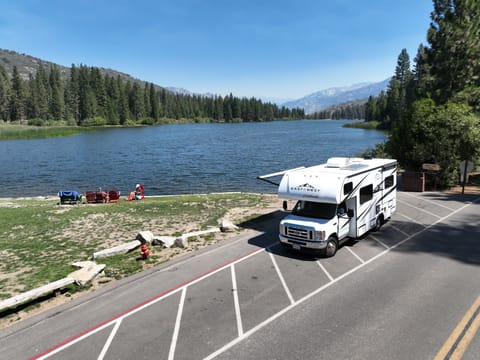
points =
(349, 110)
(91, 96)
(433, 111)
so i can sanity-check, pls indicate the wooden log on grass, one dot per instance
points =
(35, 293)
(120, 249)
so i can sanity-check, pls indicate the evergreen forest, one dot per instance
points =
(89, 98)
(350, 110)
(433, 110)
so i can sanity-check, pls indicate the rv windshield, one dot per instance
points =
(314, 209)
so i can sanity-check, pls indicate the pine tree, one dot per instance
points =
(123, 111)
(98, 88)
(4, 90)
(136, 102)
(57, 105)
(454, 53)
(72, 96)
(371, 109)
(146, 100)
(154, 103)
(87, 99)
(421, 74)
(17, 97)
(32, 109)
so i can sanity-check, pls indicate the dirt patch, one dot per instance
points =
(469, 189)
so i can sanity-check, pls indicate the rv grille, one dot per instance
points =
(299, 233)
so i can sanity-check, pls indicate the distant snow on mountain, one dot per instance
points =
(323, 99)
(178, 90)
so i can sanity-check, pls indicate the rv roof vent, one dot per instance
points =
(338, 162)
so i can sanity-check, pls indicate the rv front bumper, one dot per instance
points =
(307, 245)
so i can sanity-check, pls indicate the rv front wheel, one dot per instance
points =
(332, 246)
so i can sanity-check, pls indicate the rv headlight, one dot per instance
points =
(319, 235)
(282, 229)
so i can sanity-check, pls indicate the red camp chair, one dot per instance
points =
(91, 197)
(100, 196)
(113, 196)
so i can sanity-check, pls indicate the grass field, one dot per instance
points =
(40, 239)
(15, 132)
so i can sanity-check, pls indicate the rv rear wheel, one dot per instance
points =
(378, 223)
(332, 246)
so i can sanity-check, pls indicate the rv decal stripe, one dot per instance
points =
(347, 223)
(362, 215)
(347, 197)
(376, 203)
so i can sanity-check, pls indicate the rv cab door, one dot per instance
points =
(343, 221)
(352, 210)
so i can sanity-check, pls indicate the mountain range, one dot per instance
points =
(323, 99)
(317, 101)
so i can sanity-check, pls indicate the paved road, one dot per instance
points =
(400, 293)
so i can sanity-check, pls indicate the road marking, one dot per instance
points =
(236, 302)
(182, 287)
(102, 325)
(326, 286)
(423, 210)
(380, 242)
(409, 218)
(324, 270)
(282, 280)
(109, 340)
(429, 201)
(399, 230)
(459, 340)
(178, 321)
(358, 257)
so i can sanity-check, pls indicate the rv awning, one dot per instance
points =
(267, 177)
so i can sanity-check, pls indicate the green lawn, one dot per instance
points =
(39, 239)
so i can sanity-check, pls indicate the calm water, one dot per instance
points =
(175, 159)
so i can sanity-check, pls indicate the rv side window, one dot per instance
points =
(347, 188)
(366, 193)
(388, 181)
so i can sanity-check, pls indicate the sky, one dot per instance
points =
(269, 49)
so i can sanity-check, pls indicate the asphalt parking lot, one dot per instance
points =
(236, 291)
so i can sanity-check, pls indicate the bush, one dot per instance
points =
(95, 121)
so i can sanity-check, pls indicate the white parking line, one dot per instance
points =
(324, 270)
(109, 340)
(236, 302)
(287, 290)
(183, 288)
(322, 288)
(409, 218)
(429, 201)
(399, 230)
(380, 242)
(358, 257)
(423, 210)
(173, 344)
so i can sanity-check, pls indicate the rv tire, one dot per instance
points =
(332, 247)
(378, 223)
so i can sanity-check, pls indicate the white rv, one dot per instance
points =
(344, 198)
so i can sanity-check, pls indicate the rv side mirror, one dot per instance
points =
(350, 213)
(285, 205)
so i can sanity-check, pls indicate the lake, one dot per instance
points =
(175, 159)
